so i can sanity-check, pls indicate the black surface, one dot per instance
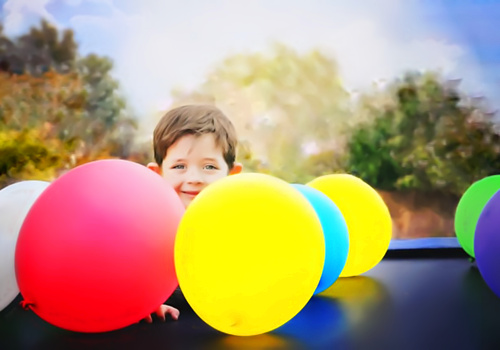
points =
(432, 300)
(426, 253)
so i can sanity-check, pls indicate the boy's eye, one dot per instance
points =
(178, 166)
(210, 167)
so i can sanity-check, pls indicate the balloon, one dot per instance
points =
(367, 217)
(15, 202)
(487, 243)
(334, 231)
(469, 208)
(95, 252)
(249, 253)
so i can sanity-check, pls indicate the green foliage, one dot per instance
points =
(57, 110)
(429, 139)
(323, 163)
(40, 50)
(371, 157)
(26, 155)
(108, 126)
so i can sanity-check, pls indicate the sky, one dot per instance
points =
(159, 45)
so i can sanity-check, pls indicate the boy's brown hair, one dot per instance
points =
(195, 120)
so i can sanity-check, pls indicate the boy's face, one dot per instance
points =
(191, 164)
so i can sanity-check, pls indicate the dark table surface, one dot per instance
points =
(418, 299)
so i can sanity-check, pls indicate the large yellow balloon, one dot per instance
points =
(249, 253)
(367, 217)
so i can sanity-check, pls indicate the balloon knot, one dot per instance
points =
(26, 305)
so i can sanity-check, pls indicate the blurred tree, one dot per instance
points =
(325, 162)
(285, 106)
(38, 124)
(429, 138)
(61, 109)
(107, 123)
(7, 47)
(29, 155)
(38, 51)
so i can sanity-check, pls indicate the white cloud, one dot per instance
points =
(376, 57)
(73, 2)
(21, 14)
(177, 44)
(164, 44)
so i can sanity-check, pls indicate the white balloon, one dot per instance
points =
(15, 203)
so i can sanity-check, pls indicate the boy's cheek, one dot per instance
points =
(216, 177)
(172, 179)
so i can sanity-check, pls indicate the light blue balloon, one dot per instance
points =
(335, 232)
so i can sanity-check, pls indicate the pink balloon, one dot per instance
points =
(95, 252)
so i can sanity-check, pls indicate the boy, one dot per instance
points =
(194, 145)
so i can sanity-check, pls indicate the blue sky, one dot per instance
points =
(159, 45)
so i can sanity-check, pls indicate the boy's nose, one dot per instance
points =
(194, 176)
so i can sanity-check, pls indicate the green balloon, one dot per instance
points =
(469, 209)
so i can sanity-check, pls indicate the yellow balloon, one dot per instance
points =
(249, 253)
(367, 217)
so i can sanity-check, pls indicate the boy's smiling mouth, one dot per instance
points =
(191, 193)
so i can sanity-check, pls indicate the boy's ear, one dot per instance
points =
(237, 168)
(155, 167)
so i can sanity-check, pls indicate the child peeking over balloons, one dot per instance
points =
(194, 145)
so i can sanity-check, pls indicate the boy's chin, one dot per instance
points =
(186, 201)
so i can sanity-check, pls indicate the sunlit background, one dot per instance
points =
(403, 93)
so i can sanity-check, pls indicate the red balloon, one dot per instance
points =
(95, 252)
